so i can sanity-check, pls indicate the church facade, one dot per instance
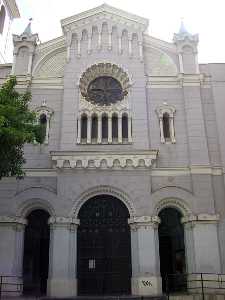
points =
(128, 185)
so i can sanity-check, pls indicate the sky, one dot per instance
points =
(205, 17)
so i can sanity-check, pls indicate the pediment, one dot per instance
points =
(104, 13)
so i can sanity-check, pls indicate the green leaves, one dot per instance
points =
(17, 127)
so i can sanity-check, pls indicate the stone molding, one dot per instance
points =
(104, 160)
(64, 222)
(103, 69)
(12, 220)
(176, 203)
(100, 190)
(200, 219)
(144, 221)
(104, 11)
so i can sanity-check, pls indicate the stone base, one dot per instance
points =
(149, 285)
(62, 288)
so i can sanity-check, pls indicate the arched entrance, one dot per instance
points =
(36, 253)
(104, 254)
(172, 249)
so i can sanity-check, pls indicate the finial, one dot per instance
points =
(27, 30)
(182, 27)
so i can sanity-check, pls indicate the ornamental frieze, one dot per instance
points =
(103, 160)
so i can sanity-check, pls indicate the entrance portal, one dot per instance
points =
(36, 253)
(104, 255)
(172, 250)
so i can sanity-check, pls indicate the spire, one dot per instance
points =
(27, 30)
(183, 30)
(184, 34)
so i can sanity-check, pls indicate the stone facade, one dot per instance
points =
(183, 169)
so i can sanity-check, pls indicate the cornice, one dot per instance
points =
(104, 9)
(12, 220)
(201, 218)
(104, 160)
(150, 41)
(54, 43)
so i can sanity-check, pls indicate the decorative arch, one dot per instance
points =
(52, 61)
(32, 204)
(176, 203)
(104, 69)
(99, 190)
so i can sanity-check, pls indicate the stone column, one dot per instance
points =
(202, 247)
(62, 280)
(162, 138)
(120, 139)
(30, 61)
(99, 140)
(14, 63)
(129, 130)
(11, 252)
(146, 279)
(109, 129)
(181, 62)
(89, 129)
(79, 130)
(172, 132)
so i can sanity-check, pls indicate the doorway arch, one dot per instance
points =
(172, 250)
(104, 249)
(36, 252)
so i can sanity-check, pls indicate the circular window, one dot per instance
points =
(105, 90)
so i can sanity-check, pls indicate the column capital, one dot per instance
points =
(14, 222)
(200, 219)
(69, 222)
(144, 221)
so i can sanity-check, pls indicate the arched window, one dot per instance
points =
(84, 128)
(105, 128)
(114, 127)
(43, 122)
(94, 128)
(2, 19)
(166, 125)
(124, 127)
(166, 114)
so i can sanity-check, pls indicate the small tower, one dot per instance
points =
(187, 50)
(24, 47)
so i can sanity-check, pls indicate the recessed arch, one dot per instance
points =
(175, 203)
(103, 247)
(99, 190)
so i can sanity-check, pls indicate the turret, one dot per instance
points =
(24, 47)
(187, 50)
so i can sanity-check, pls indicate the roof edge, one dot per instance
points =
(108, 9)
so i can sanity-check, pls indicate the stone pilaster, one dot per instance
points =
(202, 245)
(146, 278)
(62, 280)
(11, 252)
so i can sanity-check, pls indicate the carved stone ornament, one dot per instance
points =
(105, 160)
(201, 218)
(63, 221)
(103, 70)
(12, 220)
(144, 221)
